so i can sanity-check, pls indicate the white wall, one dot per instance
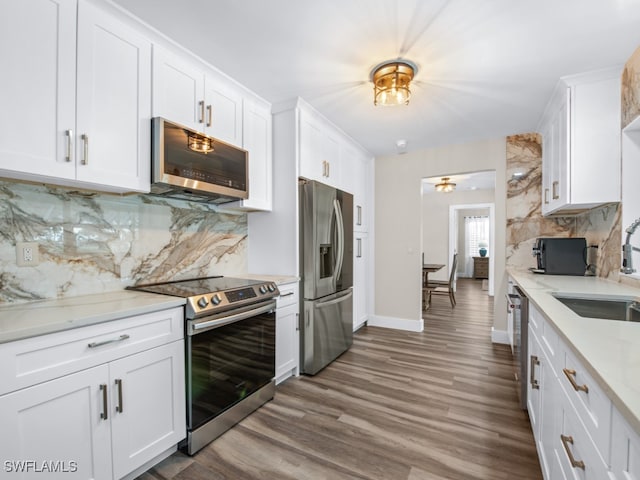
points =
(398, 238)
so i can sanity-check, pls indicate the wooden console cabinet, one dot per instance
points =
(480, 267)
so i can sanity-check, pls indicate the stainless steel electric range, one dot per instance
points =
(230, 351)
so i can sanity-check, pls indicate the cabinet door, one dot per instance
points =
(147, 405)
(562, 193)
(548, 153)
(59, 422)
(533, 383)
(114, 102)
(625, 449)
(178, 90)
(312, 162)
(360, 279)
(37, 87)
(286, 341)
(257, 134)
(223, 110)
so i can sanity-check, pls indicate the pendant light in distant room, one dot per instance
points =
(445, 185)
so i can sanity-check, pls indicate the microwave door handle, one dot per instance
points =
(340, 246)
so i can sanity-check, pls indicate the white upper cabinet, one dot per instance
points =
(581, 143)
(106, 146)
(114, 102)
(188, 93)
(320, 149)
(258, 141)
(37, 87)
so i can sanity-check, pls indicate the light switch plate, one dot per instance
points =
(27, 254)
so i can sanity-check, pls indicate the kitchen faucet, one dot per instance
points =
(627, 249)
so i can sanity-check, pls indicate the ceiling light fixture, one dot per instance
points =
(199, 143)
(392, 81)
(445, 185)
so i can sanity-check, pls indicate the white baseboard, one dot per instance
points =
(499, 336)
(397, 323)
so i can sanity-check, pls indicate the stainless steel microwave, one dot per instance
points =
(193, 166)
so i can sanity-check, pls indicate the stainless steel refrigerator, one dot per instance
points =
(326, 259)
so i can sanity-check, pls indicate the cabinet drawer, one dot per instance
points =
(38, 359)
(288, 295)
(545, 332)
(592, 406)
(573, 440)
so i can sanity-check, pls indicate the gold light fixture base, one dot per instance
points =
(445, 185)
(392, 82)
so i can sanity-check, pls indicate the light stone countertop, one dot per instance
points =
(277, 279)
(30, 319)
(609, 349)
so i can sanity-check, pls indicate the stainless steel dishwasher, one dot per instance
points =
(518, 306)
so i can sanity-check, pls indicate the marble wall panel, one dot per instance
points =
(525, 222)
(631, 89)
(90, 242)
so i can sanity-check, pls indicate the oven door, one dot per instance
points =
(229, 357)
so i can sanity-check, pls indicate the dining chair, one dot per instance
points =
(436, 287)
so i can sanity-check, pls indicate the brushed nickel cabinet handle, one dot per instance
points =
(570, 374)
(359, 249)
(209, 115)
(566, 440)
(532, 375)
(555, 186)
(324, 168)
(359, 215)
(119, 385)
(201, 104)
(85, 149)
(104, 415)
(69, 156)
(328, 169)
(107, 342)
(546, 196)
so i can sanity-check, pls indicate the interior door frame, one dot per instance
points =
(453, 235)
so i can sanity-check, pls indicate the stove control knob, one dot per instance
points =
(216, 299)
(263, 289)
(272, 287)
(202, 302)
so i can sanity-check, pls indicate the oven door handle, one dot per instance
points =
(196, 328)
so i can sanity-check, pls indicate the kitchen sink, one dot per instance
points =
(607, 308)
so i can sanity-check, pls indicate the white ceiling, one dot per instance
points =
(486, 67)
(465, 181)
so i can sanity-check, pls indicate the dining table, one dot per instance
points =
(429, 268)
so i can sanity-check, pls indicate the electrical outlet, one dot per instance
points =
(27, 254)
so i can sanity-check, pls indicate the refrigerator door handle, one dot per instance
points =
(333, 301)
(340, 227)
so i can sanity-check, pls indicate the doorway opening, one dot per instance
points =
(443, 229)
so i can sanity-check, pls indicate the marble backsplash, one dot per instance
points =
(600, 226)
(91, 242)
(631, 89)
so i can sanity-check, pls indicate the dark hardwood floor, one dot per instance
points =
(435, 405)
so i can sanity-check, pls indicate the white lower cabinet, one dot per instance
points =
(360, 279)
(102, 421)
(625, 449)
(58, 421)
(147, 403)
(578, 432)
(287, 332)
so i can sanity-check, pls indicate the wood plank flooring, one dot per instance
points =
(435, 405)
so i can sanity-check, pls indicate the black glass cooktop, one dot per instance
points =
(196, 286)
